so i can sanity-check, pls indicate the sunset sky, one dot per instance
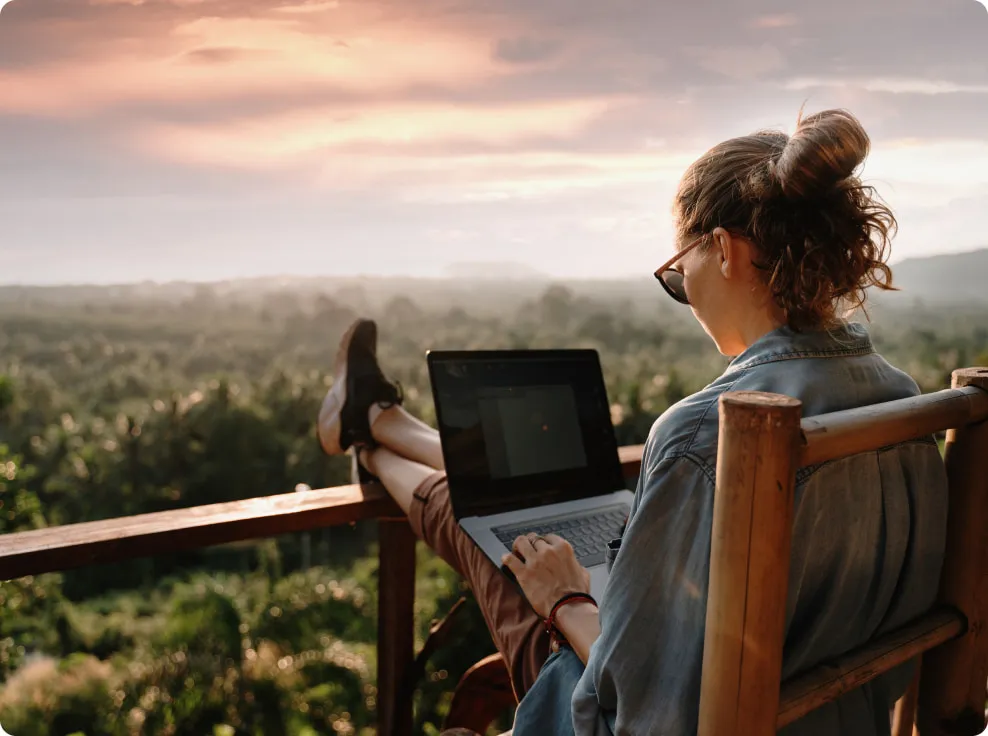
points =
(208, 139)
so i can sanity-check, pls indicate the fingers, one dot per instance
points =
(531, 544)
(558, 544)
(523, 547)
(513, 563)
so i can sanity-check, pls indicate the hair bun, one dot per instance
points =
(825, 150)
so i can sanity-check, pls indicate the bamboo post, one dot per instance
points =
(954, 676)
(749, 564)
(395, 626)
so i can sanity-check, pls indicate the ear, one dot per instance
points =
(728, 251)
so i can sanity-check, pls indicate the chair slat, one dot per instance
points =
(829, 681)
(843, 433)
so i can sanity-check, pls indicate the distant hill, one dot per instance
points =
(478, 286)
(954, 277)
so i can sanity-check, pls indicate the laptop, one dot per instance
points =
(529, 446)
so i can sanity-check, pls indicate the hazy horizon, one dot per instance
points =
(208, 140)
(525, 274)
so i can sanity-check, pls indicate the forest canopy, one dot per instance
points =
(124, 400)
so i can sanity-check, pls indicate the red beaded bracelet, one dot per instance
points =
(555, 635)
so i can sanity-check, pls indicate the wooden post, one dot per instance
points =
(953, 681)
(749, 564)
(395, 625)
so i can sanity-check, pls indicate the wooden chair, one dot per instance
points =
(762, 442)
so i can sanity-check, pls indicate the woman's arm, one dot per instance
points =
(580, 624)
(546, 569)
(646, 663)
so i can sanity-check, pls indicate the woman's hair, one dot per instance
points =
(822, 236)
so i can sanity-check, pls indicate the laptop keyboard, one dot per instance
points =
(588, 532)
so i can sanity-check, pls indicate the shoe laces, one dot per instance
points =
(394, 395)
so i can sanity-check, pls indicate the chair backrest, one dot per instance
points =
(763, 441)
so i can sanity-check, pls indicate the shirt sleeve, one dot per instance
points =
(643, 675)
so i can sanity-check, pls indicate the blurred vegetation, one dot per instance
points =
(126, 400)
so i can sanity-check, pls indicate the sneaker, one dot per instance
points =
(359, 384)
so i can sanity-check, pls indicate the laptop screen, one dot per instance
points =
(523, 428)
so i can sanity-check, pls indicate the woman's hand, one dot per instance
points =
(546, 569)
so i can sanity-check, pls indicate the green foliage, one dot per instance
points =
(49, 698)
(120, 404)
(303, 605)
(206, 623)
(20, 508)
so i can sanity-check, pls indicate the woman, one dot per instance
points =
(777, 239)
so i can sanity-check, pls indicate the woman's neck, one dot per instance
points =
(758, 324)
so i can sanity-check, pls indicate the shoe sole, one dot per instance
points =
(331, 445)
(360, 475)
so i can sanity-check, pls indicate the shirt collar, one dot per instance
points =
(784, 343)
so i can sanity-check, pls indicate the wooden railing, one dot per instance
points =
(819, 439)
(115, 540)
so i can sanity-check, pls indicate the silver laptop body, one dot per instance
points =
(529, 446)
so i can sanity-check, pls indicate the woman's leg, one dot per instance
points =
(422, 492)
(407, 436)
(361, 409)
(399, 475)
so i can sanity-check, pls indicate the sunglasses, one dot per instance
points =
(673, 281)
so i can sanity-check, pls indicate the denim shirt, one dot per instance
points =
(868, 540)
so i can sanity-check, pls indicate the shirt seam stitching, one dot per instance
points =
(688, 447)
(801, 354)
(693, 458)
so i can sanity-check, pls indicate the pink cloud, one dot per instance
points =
(353, 51)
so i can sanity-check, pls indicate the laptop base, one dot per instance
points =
(481, 528)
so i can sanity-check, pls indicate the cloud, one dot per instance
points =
(549, 127)
(525, 49)
(285, 138)
(740, 63)
(889, 84)
(784, 20)
(220, 54)
(378, 55)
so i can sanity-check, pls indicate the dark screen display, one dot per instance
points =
(523, 428)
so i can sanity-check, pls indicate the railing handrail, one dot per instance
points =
(70, 546)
